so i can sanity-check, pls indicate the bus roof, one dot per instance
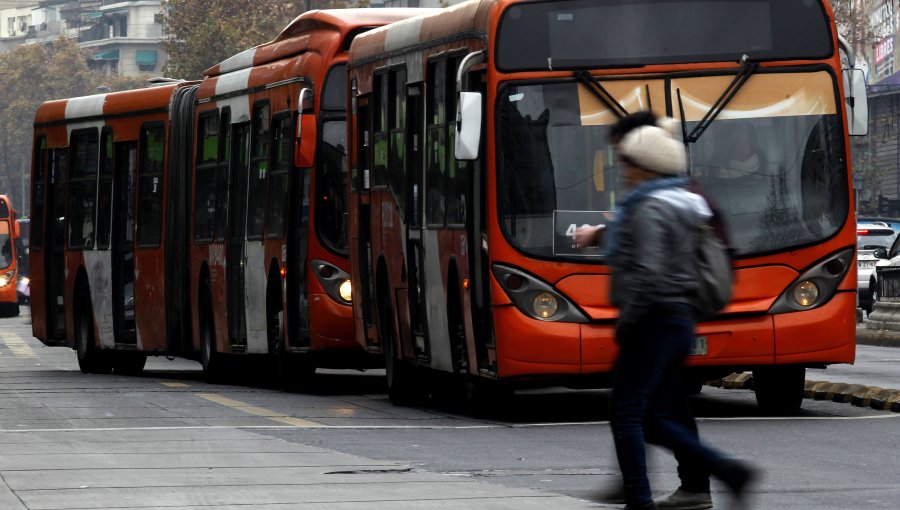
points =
(291, 40)
(113, 103)
(469, 19)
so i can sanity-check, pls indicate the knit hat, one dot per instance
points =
(655, 148)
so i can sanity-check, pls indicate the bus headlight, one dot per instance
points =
(545, 305)
(334, 280)
(346, 291)
(806, 293)
(535, 298)
(816, 285)
(7, 277)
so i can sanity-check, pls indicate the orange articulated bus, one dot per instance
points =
(9, 227)
(214, 208)
(107, 216)
(269, 248)
(479, 145)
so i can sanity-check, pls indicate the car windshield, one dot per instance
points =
(774, 167)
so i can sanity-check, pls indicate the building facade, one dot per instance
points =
(121, 36)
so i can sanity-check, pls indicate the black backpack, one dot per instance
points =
(715, 274)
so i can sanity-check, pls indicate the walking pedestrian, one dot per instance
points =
(650, 248)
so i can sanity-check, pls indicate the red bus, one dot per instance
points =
(107, 215)
(463, 217)
(269, 248)
(9, 301)
(199, 206)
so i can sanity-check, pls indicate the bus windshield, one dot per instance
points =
(6, 245)
(772, 162)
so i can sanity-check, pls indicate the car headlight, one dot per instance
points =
(334, 280)
(535, 298)
(7, 277)
(816, 285)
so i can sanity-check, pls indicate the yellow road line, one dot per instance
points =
(175, 384)
(17, 346)
(258, 411)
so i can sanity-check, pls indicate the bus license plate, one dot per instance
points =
(698, 347)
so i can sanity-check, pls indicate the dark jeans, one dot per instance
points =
(649, 402)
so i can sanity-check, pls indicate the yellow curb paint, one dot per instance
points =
(175, 384)
(258, 411)
(17, 346)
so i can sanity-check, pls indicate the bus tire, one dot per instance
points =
(404, 387)
(779, 389)
(90, 359)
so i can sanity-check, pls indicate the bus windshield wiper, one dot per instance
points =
(747, 69)
(598, 91)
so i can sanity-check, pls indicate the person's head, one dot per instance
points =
(651, 152)
(629, 122)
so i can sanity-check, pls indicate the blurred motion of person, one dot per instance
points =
(650, 249)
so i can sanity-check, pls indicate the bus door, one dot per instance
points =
(415, 221)
(122, 243)
(298, 244)
(236, 258)
(54, 261)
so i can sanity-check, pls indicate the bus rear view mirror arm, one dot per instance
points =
(305, 155)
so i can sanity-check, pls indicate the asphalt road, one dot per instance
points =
(170, 440)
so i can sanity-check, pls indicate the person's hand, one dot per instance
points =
(586, 236)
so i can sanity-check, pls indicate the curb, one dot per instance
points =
(880, 399)
(877, 337)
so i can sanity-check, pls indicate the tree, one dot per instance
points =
(32, 74)
(202, 33)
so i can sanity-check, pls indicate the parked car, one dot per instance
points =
(874, 243)
(894, 223)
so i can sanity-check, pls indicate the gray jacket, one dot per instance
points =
(654, 261)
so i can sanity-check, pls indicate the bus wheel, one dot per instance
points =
(90, 360)
(779, 389)
(209, 359)
(129, 363)
(404, 388)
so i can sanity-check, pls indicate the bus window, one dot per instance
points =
(331, 185)
(207, 162)
(222, 175)
(83, 188)
(105, 189)
(278, 178)
(379, 169)
(151, 186)
(37, 198)
(436, 144)
(6, 249)
(259, 161)
(397, 164)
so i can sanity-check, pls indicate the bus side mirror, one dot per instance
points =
(306, 141)
(468, 126)
(305, 155)
(857, 102)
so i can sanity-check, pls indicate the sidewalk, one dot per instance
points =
(228, 469)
